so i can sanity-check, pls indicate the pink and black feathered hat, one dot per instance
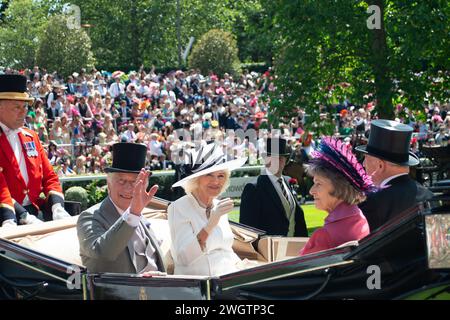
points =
(334, 154)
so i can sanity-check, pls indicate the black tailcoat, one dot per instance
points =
(261, 207)
(403, 193)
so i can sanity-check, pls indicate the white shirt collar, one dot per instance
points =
(385, 181)
(120, 211)
(9, 131)
(271, 176)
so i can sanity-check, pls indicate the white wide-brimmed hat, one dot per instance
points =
(207, 159)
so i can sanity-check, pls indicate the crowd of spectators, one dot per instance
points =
(79, 117)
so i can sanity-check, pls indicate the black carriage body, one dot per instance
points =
(398, 251)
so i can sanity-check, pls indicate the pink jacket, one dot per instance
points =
(345, 223)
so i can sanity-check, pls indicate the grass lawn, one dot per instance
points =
(314, 218)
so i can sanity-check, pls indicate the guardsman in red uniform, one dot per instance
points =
(25, 171)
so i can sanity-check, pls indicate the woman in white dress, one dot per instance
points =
(201, 234)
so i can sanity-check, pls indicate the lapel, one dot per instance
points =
(271, 192)
(291, 193)
(109, 212)
(287, 209)
(9, 154)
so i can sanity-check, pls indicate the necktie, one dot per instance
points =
(144, 250)
(285, 194)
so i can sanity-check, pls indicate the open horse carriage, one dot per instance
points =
(410, 256)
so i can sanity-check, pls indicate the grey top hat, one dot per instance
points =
(390, 140)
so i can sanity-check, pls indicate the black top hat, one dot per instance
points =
(389, 140)
(280, 147)
(14, 87)
(128, 157)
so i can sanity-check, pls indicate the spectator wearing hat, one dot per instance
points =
(113, 235)
(24, 167)
(270, 204)
(387, 159)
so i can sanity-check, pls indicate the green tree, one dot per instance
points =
(215, 51)
(3, 6)
(252, 26)
(64, 49)
(115, 29)
(128, 33)
(22, 24)
(322, 46)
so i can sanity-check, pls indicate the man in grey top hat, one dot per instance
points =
(387, 160)
(113, 234)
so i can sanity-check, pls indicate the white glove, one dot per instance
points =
(27, 218)
(9, 223)
(59, 212)
(223, 207)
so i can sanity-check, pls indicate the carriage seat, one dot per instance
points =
(64, 245)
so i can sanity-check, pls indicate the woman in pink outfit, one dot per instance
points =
(340, 183)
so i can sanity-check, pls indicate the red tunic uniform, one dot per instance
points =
(41, 176)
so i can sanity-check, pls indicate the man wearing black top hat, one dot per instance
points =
(387, 160)
(113, 235)
(269, 204)
(25, 171)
